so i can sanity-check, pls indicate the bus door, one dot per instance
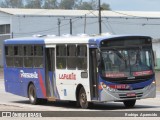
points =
(50, 73)
(93, 74)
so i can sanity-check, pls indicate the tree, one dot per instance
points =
(85, 6)
(34, 4)
(105, 6)
(12, 4)
(50, 4)
(67, 4)
(91, 5)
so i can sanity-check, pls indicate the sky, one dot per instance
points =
(133, 5)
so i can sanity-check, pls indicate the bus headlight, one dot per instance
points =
(104, 85)
(154, 82)
(107, 87)
(111, 89)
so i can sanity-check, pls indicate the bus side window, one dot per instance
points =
(18, 56)
(61, 56)
(28, 56)
(82, 57)
(9, 53)
(71, 57)
(38, 56)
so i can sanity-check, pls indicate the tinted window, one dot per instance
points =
(28, 50)
(38, 56)
(28, 62)
(71, 57)
(18, 50)
(38, 50)
(18, 61)
(61, 56)
(61, 50)
(10, 61)
(24, 56)
(9, 52)
(18, 56)
(82, 57)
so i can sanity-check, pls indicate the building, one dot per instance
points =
(28, 22)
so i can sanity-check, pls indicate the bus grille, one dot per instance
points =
(129, 89)
(123, 96)
(129, 81)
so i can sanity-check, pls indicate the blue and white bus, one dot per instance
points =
(84, 69)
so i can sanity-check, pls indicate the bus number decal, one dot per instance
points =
(71, 76)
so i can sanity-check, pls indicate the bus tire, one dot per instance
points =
(129, 103)
(32, 95)
(83, 99)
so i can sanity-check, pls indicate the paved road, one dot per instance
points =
(10, 102)
(13, 102)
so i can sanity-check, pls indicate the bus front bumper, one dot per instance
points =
(122, 95)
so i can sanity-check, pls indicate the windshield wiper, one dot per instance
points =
(121, 56)
(138, 60)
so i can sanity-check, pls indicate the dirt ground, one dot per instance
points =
(157, 78)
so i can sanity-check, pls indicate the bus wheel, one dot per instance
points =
(83, 99)
(129, 103)
(32, 95)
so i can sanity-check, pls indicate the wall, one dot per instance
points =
(29, 25)
(3, 37)
(24, 26)
(4, 18)
(156, 48)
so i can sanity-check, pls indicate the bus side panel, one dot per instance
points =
(12, 82)
(18, 80)
(38, 81)
(67, 82)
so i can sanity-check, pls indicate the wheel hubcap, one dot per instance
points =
(32, 94)
(83, 98)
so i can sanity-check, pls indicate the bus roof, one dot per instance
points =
(65, 39)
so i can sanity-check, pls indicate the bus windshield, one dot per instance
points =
(120, 63)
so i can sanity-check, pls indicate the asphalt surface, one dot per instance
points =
(13, 102)
(10, 102)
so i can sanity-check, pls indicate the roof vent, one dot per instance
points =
(51, 35)
(38, 35)
(66, 35)
(83, 35)
(106, 34)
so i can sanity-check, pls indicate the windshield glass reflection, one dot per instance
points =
(126, 62)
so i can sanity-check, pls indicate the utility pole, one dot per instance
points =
(99, 18)
(85, 24)
(59, 23)
(70, 26)
(12, 35)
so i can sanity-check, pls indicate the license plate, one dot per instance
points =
(131, 94)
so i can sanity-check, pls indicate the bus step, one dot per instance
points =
(51, 98)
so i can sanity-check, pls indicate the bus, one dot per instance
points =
(80, 69)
